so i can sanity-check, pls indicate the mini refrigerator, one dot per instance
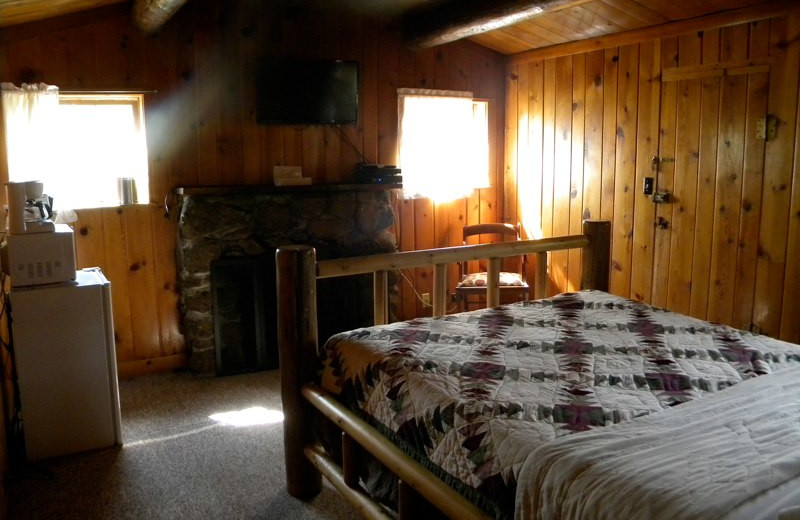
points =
(66, 365)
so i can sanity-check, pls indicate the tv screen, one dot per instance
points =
(312, 92)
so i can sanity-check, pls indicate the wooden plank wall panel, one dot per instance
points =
(665, 170)
(609, 80)
(709, 123)
(164, 230)
(778, 175)
(684, 210)
(577, 170)
(530, 192)
(726, 247)
(752, 181)
(790, 325)
(730, 150)
(548, 160)
(625, 169)
(562, 164)
(513, 89)
(520, 133)
(593, 136)
(116, 270)
(647, 142)
(200, 120)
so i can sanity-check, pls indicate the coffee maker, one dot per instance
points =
(29, 209)
(36, 251)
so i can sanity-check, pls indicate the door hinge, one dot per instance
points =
(767, 128)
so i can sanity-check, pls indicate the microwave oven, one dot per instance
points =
(40, 258)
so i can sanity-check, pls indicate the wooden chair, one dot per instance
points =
(472, 284)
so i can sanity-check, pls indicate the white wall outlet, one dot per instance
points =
(426, 298)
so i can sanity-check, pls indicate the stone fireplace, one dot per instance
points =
(217, 223)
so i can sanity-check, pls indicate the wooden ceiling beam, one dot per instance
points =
(453, 20)
(150, 15)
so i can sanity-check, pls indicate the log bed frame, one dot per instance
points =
(306, 460)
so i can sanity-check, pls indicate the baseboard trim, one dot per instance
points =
(129, 369)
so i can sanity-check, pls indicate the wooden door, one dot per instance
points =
(710, 162)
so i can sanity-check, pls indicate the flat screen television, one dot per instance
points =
(307, 92)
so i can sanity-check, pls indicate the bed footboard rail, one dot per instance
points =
(297, 272)
(358, 433)
(595, 242)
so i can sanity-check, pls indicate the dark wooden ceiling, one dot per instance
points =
(13, 12)
(561, 20)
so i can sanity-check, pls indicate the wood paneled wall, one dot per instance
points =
(202, 131)
(582, 132)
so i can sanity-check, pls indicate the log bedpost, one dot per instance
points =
(297, 347)
(540, 284)
(439, 300)
(596, 255)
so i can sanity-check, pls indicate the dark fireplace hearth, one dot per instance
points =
(226, 224)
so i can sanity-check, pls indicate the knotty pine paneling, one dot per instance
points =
(200, 115)
(589, 19)
(725, 247)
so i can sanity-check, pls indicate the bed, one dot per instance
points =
(486, 414)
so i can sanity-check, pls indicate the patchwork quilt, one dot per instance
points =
(471, 395)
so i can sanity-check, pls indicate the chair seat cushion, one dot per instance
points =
(479, 280)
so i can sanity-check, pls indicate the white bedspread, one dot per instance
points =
(734, 454)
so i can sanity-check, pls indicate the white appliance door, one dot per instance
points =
(63, 341)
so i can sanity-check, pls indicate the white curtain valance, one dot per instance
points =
(29, 114)
(433, 92)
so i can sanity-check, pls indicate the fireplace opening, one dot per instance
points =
(244, 305)
(343, 304)
(243, 299)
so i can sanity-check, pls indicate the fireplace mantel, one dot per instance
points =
(268, 188)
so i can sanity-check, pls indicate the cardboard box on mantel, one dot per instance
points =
(289, 176)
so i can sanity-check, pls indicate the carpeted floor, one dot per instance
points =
(176, 462)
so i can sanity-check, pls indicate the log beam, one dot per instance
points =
(151, 15)
(456, 19)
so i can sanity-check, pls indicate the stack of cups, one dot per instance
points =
(15, 193)
(126, 187)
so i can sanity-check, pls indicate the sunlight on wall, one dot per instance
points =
(529, 180)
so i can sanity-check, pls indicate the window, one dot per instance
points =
(78, 145)
(101, 140)
(444, 143)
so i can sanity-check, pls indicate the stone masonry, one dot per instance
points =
(252, 222)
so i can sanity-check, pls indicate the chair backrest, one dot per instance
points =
(491, 229)
(501, 229)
